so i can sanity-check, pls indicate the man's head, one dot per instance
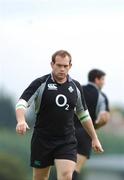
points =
(61, 63)
(97, 77)
(61, 53)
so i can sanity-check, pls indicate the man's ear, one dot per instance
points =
(70, 65)
(51, 64)
(96, 80)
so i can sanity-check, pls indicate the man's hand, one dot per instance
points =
(22, 127)
(96, 145)
(102, 120)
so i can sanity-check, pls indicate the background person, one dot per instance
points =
(98, 106)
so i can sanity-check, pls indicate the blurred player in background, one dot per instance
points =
(98, 106)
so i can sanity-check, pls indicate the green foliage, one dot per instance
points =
(112, 143)
(17, 147)
(119, 109)
(7, 111)
(11, 168)
(14, 143)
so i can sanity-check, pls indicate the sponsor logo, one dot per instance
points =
(52, 87)
(71, 89)
(37, 163)
(64, 103)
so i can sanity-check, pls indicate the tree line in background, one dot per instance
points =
(13, 148)
(7, 112)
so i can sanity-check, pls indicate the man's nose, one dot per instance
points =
(62, 68)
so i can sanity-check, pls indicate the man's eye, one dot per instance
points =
(65, 66)
(59, 65)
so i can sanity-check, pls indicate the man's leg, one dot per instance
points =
(64, 169)
(41, 173)
(81, 160)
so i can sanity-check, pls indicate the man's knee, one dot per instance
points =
(40, 174)
(40, 177)
(66, 175)
(81, 161)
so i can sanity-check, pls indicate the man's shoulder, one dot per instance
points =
(45, 77)
(42, 78)
(77, 84)
(38, 81)
(104, 94)
(106, 101)
(89, 87)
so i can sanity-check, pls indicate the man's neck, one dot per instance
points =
(93, 84)
(59, 81)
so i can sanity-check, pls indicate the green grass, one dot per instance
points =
(17, 146)
(112, 143)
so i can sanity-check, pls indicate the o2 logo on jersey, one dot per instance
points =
(64, 101)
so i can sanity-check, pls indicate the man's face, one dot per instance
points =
(100, 82)
(61, 67)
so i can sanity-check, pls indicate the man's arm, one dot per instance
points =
(21, 126)
(104, 111)
(96, 145)
(85, 119)
(24, 102)
(86, 122)
(102, 119)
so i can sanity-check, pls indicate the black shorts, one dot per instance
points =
(84, 142)
(45, 150)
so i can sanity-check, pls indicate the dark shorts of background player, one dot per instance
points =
(84, 142)
(45, 150)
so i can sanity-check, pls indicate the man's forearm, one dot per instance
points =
(21, 126)
(102, 120)
(21, 107)
(20, 115)
(88, 126)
